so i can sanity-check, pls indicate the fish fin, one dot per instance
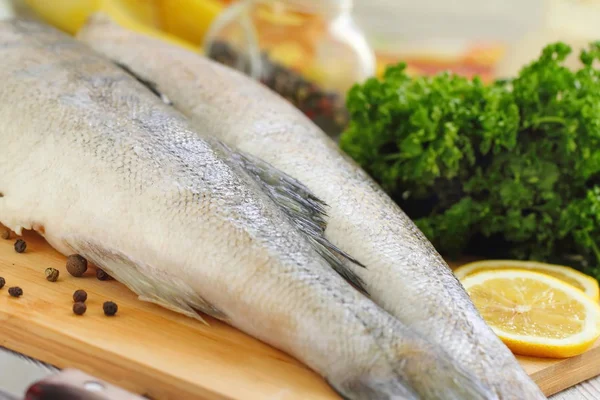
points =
(433, 374)
(415, 372)
(167, 291)
(372, 388)
(153, 87)
(173, 307)
(305, 209)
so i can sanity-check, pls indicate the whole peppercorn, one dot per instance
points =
(51, 274)
(102, 275)
(15, 291)
(79, 308)
(110, 308)
(76, 265)
(80, 296)
(2, 282)
(5, 234)
(20, 246)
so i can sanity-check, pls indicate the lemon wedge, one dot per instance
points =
(535, 314)
(569, 275)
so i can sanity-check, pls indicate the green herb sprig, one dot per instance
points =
(510, 168)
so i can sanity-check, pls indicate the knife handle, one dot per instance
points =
(71, 384)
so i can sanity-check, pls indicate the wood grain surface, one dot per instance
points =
(554, 375)
(150, 350)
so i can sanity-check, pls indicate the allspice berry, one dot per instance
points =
(2, 282)
(20, 246)
(5, 233)
(76, 265)
(15, 291)
(51, 274)
(102, 275)
(79, 308)
(110, 308)
(80, 296)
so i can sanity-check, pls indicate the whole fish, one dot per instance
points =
(101, 167)
(404, 273)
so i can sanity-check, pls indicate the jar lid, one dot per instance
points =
(322, 6)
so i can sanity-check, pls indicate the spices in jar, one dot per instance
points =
(76, 265)
(79, 308)
(20, 246)
(325, 108)
(80, 296)
(110, 308)
(51, 274)
(311, 52)
(15, 291)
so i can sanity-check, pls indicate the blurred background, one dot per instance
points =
(312, 52)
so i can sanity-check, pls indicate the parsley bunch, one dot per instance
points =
(510, 168)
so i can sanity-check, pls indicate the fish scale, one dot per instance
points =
(101, 167)
(404, 274)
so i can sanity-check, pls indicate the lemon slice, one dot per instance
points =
(535, 314)
(573, 277)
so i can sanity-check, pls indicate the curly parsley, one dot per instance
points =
(508, 168)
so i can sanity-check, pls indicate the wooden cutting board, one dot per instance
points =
(153, 351)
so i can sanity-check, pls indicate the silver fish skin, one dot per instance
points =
(404, 274)
(101, 167)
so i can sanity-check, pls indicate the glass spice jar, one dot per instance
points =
(309, 51)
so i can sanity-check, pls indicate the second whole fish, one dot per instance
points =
(101, 167)
(404, 273)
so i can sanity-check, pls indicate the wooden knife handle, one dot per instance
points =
(70, 384)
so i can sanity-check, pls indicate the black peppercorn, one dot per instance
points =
(76, 265)
(80, 296)
(20, 246)
(110, 308)
(102, 275)
(79, 308)
(51, 274)
(2, 282)
(5, 234)
(15, 291)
